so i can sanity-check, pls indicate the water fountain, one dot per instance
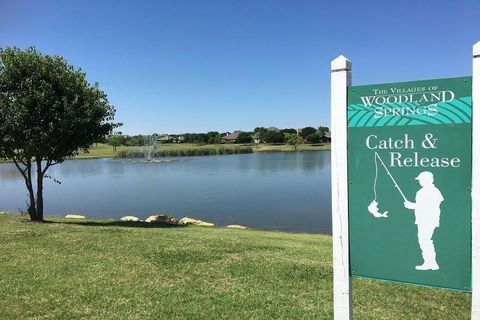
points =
(151, 143)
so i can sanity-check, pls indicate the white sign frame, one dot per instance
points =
(476, 183)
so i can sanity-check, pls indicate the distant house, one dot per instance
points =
(327, 136)
(256, 138)
(166, 139)
(232, 137)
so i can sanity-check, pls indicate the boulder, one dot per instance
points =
(189, 221)
(74, 216)
(186, 221)
(130, 219)
(162, 219)
(236, 226)
(205, 224)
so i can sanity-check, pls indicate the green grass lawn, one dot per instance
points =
(263, 147)
(97, 269)
(101, 150)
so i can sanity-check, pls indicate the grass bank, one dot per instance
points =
(262, 147)
(97, 269)
(188, 149)
(101, 150)
(183, 152)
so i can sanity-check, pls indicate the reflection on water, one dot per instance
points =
(285, 191)
(9, 173)
(295, 161)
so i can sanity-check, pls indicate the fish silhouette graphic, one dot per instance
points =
(373, 209)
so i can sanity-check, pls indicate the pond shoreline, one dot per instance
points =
(188, 149)
(102, 151)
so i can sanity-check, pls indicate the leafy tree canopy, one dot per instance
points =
(259, 129)
(137, 140)
(244, 137)
(293, 140)
(322, 130)
(308, 131)
(48, 111)
(116, 140)
(272, 137)
(291, 130)
(314, 138)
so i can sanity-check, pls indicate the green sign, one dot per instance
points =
(409, 171)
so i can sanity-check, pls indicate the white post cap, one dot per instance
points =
(476, 50)
(341, 63)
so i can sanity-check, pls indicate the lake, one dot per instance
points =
(288, 191)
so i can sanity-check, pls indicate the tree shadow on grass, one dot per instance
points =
(130, 224)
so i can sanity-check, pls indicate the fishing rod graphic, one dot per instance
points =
(373, 207)
(391, 177)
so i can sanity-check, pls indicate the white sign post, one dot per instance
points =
(476, 183)
(342, 287)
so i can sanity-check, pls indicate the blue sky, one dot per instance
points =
(193, 66)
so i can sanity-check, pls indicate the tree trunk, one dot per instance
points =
(32, 211)
(39, 213)
(27, 177)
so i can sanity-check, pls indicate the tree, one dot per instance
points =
(115, 141)
(283, 131)
(273, 137)
(214, 137)
(48, 111)
(201, 138)
(314, 138)
(244, 137)
(196, 138)
(137, 140)
(293, 140)
(322, 130)
(308, 131)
